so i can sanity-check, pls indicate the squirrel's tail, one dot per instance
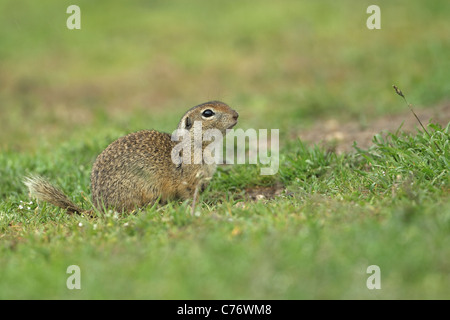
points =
(45, 191)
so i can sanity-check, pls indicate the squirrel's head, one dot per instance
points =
(213, 115)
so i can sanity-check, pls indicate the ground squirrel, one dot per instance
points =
(137, 170)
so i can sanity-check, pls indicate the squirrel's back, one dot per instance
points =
(128, 173)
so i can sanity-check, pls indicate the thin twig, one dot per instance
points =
(194, 200)
(400, 93)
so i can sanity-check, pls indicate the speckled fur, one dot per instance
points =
(137, 169)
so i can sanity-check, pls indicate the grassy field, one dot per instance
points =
(287, 65)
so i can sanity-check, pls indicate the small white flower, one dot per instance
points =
(80, 224)
(20, 206)
(95, 227)
(28, 208)
(125, 224)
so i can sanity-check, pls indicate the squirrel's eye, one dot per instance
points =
(208, 113)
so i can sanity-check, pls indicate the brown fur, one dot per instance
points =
(137, 169)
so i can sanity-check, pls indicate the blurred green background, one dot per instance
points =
(141, 64)
(291, 65)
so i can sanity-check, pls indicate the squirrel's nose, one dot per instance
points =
(235, 115)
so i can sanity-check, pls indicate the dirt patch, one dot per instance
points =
(260, 193)
(339, 137)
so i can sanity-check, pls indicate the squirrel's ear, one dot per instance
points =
(187, 123)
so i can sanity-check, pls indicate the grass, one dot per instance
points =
(66, 94)
(386, 206)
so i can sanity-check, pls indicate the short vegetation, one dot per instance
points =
(310, 231)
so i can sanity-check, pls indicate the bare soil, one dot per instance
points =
(339, 137)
